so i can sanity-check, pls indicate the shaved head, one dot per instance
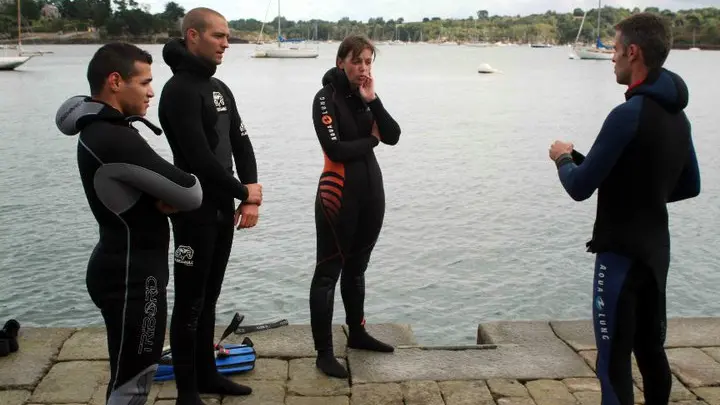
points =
(206, 34)
(197, 19)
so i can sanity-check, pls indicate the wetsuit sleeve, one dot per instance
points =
(137, 165)
(577, 157)
(581, 180)
(327, 133)
(387, 126)
(688, 185)
(183, 109)
(242, 149)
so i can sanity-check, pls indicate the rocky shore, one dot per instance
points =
(514, 363)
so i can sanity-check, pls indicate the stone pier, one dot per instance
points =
(513, 363)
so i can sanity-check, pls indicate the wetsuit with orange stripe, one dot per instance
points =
(350, 201)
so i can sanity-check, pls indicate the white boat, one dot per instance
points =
(593, 53)
(289, 52)
(485, 68)
(9, 60)
(597, 52)
(284, 52)
(479, 44)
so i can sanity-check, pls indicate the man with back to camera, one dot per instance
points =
(129, 189)
(204, 130)
(642, 159)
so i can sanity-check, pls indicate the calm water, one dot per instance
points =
(477, 225)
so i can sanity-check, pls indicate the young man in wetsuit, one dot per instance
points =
(642, 159)
(350, 120)
(205, 132)
(130, 189)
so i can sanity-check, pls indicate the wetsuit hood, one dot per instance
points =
(338, 78)
(177, 56)
(665, 87)
(77, 112)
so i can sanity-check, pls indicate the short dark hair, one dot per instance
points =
(114, 57)
(651, 33)
(197, 19)
(355, 44)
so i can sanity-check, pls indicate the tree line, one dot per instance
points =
(112, 18)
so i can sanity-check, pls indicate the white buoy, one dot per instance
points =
(485, 68)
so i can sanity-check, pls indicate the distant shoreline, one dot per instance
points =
(100, 41)
(94, 38)
(159, 40)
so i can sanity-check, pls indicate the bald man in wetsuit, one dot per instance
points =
(205, 132)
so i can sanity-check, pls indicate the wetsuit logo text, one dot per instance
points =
(243, 131)
(184, 255)
(219, 101)
(147, 336)
(327, 118)
(601, 320)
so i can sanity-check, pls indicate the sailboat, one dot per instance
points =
(597, 52)
(10, 62)
(694, 48)
(397, 40)
(285, 52)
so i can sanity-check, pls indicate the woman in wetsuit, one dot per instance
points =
(350, 121)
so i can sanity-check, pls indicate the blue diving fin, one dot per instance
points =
(230, 359)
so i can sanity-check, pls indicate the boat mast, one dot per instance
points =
(18, 26)
(597, 43)
(577, 37)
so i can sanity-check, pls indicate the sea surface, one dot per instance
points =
(477, 226)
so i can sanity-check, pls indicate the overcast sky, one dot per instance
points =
(410, 10)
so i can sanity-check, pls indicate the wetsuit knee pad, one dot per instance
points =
(325, 278)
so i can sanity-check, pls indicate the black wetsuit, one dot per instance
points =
(642, 159)
(199, 116)
(350, 200)
(127, 273)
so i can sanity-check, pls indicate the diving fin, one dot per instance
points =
(236, 321)
(230, 359)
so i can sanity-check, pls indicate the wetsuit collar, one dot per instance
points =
(339, 80)
(79, 111)
(651, 77)
(177, 56)
(665, 87)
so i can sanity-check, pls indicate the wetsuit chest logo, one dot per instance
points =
(184, 255)
(219, 101)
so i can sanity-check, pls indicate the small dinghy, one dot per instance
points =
(485, 68)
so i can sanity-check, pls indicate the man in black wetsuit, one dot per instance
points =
(204, 130)
(130, 189)
(642, 159)
(350, 120)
